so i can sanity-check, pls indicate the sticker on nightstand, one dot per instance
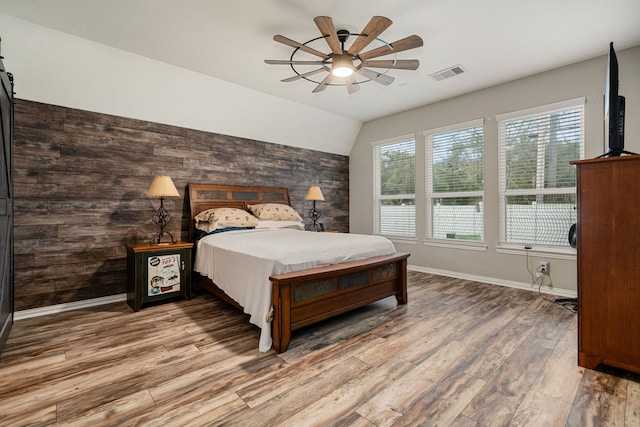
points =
(163, 274)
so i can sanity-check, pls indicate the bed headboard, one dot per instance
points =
(209, 196)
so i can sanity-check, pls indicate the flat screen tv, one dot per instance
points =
(613, 110)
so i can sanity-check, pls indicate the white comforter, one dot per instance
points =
(240, 262)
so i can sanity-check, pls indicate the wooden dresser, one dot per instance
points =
(609, 262)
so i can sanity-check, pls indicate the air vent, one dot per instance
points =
(448, 72)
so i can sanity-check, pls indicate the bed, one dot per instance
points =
(297, 294)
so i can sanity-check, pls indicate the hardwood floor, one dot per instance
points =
(460, 353)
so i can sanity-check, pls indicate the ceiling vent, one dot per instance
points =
(448, 72)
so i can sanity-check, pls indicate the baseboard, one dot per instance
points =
(59, 308)
(494, 281)
(68, 306)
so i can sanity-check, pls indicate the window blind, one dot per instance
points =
(394, 189)
(455, 182)
(537, 183)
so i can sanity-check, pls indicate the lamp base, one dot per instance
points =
(317, 226)
(314, 214)
(157, 238)
(162, 218)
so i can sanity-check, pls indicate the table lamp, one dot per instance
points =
(161, 187)
(314, 194)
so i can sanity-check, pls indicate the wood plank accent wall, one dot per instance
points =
(80, 181)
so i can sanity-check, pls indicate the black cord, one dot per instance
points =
(570, 304)
(535, 280)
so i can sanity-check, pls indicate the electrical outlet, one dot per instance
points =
(544, 267)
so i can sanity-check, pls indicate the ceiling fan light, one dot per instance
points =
(341, 71)
(342, 66)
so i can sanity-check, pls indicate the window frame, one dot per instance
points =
(503, 192)
(378, 197)
(429, 239)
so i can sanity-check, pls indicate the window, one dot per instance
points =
(394, 188)
(537, 183)
(455, 182)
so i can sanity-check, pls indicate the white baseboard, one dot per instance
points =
(68, 306)
(493, 281)
(59, 308)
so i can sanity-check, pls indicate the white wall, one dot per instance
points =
(585, 79)
(60, 69)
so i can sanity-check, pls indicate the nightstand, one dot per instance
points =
(158, 272)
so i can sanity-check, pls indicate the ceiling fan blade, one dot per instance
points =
(376, 76)
(323, 84)
(352, 85)
(293, 43)
(400, 64)
(374, 28)
(325, 25)
(397, 46)
(288, 62)
(303, 75)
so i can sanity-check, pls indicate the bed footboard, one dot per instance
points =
(309, 296)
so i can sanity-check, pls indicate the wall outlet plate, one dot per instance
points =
(544, 267)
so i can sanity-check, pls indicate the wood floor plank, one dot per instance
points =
(271, 385)
(113, 412)
(460, 353)
(388, 406)
(430, 333)
(498, 348)
(462, 421)
(497, 402)
(153, 371)
(216, 371)
(539, 410)
(560, 376)
(600, 401)
(18, 371)
(294, 398)
(28, 415)
(632, 410)
(203, 410)
(70, 380)
(441, 405)
(338, 407)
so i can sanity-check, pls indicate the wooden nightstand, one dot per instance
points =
(158, 272)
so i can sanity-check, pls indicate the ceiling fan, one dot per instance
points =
(349, 63)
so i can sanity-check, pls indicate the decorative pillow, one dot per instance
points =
(275, 211)
(213, 219)
(267, 223)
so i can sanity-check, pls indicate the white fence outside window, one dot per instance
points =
(536, 223)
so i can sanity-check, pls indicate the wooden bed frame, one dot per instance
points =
(309, 296)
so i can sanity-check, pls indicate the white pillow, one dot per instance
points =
(267, 223)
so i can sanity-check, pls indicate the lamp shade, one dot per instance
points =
(314, 193)
(162, 186)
